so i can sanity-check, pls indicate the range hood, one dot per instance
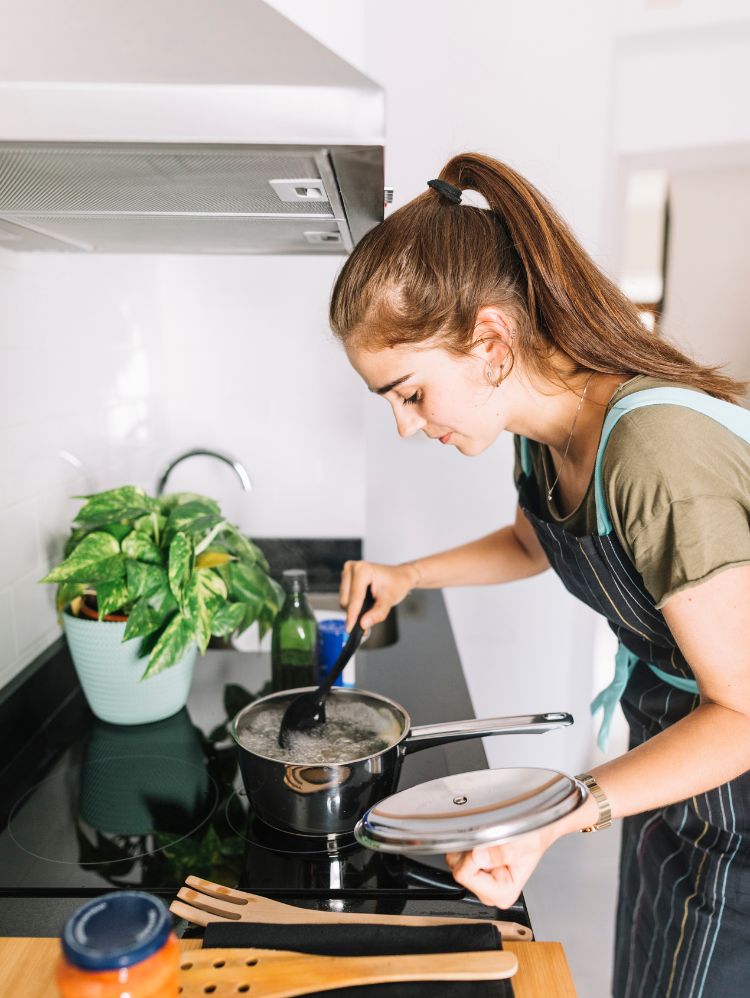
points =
(182, 126)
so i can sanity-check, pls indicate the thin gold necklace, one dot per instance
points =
(550, 488)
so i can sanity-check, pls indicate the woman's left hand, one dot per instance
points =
(497, 874)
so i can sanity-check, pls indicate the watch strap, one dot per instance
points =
(605, 810)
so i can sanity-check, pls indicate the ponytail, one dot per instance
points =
(426, 271)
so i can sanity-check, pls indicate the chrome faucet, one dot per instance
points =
(239, 469)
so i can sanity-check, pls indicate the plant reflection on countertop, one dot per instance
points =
(171, 572)
(144, 822)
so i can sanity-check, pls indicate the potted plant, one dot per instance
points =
(144, 585)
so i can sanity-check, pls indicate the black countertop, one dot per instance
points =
(47, 733)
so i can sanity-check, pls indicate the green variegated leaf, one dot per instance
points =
(118, 530)
(180, 565)
(276, 594)
(124, 503)
(194, 518)
(141, 548)
(169, 502)
(143, 620)
(111, 596)
(204, 595)
(145, 580)
(178, 636)
(67, 592)
(248, 582)
(240, 545)
(164, 601)
(265, 619)
(258, 556)
(89, 561)
(76, 536)
(212, 582)
(152, 524)
(106, 571)
(253, 608)
(208, 539)
(227, 619)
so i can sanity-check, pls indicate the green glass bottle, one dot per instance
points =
(294, 639)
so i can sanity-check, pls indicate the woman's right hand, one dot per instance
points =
(389, 585)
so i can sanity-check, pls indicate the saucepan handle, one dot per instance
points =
(427, 735)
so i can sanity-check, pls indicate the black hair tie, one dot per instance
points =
(447, 190)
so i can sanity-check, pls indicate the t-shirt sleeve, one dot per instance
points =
(678, 493)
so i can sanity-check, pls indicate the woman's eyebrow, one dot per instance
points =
(393, 384)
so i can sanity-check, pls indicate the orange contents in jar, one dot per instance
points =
(120, 945)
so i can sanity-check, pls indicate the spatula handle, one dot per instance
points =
(488, 965)
(352, 644)
(279, 974)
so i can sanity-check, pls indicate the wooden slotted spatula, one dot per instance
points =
(202, 901)
(264, 973)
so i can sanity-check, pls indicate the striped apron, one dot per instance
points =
(683, 919)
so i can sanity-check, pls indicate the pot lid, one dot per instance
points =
(458, 813)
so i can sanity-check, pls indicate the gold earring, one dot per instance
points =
(489, 372)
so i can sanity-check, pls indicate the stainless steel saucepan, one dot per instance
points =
(327, 799)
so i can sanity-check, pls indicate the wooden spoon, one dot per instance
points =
(264, 973)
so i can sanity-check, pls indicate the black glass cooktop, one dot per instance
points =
(88, 806)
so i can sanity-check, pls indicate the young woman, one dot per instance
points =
(633, 477)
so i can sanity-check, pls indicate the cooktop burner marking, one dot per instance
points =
(284, 842)
(205, 796)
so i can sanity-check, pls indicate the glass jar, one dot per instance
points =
(119, 945)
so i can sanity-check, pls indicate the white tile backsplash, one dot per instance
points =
(19, 542)
(8, 644)
(33, 610)
(112, 365)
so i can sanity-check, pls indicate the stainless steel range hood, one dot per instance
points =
(182, 126)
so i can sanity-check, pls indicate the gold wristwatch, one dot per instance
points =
(605, 810)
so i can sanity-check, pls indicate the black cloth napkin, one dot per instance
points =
(371, 940)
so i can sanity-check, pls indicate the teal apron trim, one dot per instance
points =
(526, 465)
(735, 419)
(680, 683)
(608, 699)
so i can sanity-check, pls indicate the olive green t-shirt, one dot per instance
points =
(677, 485)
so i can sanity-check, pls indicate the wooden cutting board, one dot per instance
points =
(27, 968)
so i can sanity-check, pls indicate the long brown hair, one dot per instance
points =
(426, 271)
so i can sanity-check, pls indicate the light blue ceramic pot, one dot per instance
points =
(110, 669)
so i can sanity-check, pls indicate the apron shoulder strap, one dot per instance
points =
(734, 417)
(525, 449)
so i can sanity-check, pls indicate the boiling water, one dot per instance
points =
(352, 730)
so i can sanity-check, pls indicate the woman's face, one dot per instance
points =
(445, 396)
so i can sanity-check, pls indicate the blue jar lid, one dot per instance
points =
(116, 930)
(332, 625)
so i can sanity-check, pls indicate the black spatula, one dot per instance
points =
(308, 710)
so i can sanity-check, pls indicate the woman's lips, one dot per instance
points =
(445, 439)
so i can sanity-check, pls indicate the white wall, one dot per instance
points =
(530, 84)
(111, 365)
(708, 302)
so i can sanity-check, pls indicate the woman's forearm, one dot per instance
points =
(707, 748)
(498, 557)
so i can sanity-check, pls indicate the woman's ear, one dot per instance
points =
(493, 336)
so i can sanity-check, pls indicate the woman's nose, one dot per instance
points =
(408, 423)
